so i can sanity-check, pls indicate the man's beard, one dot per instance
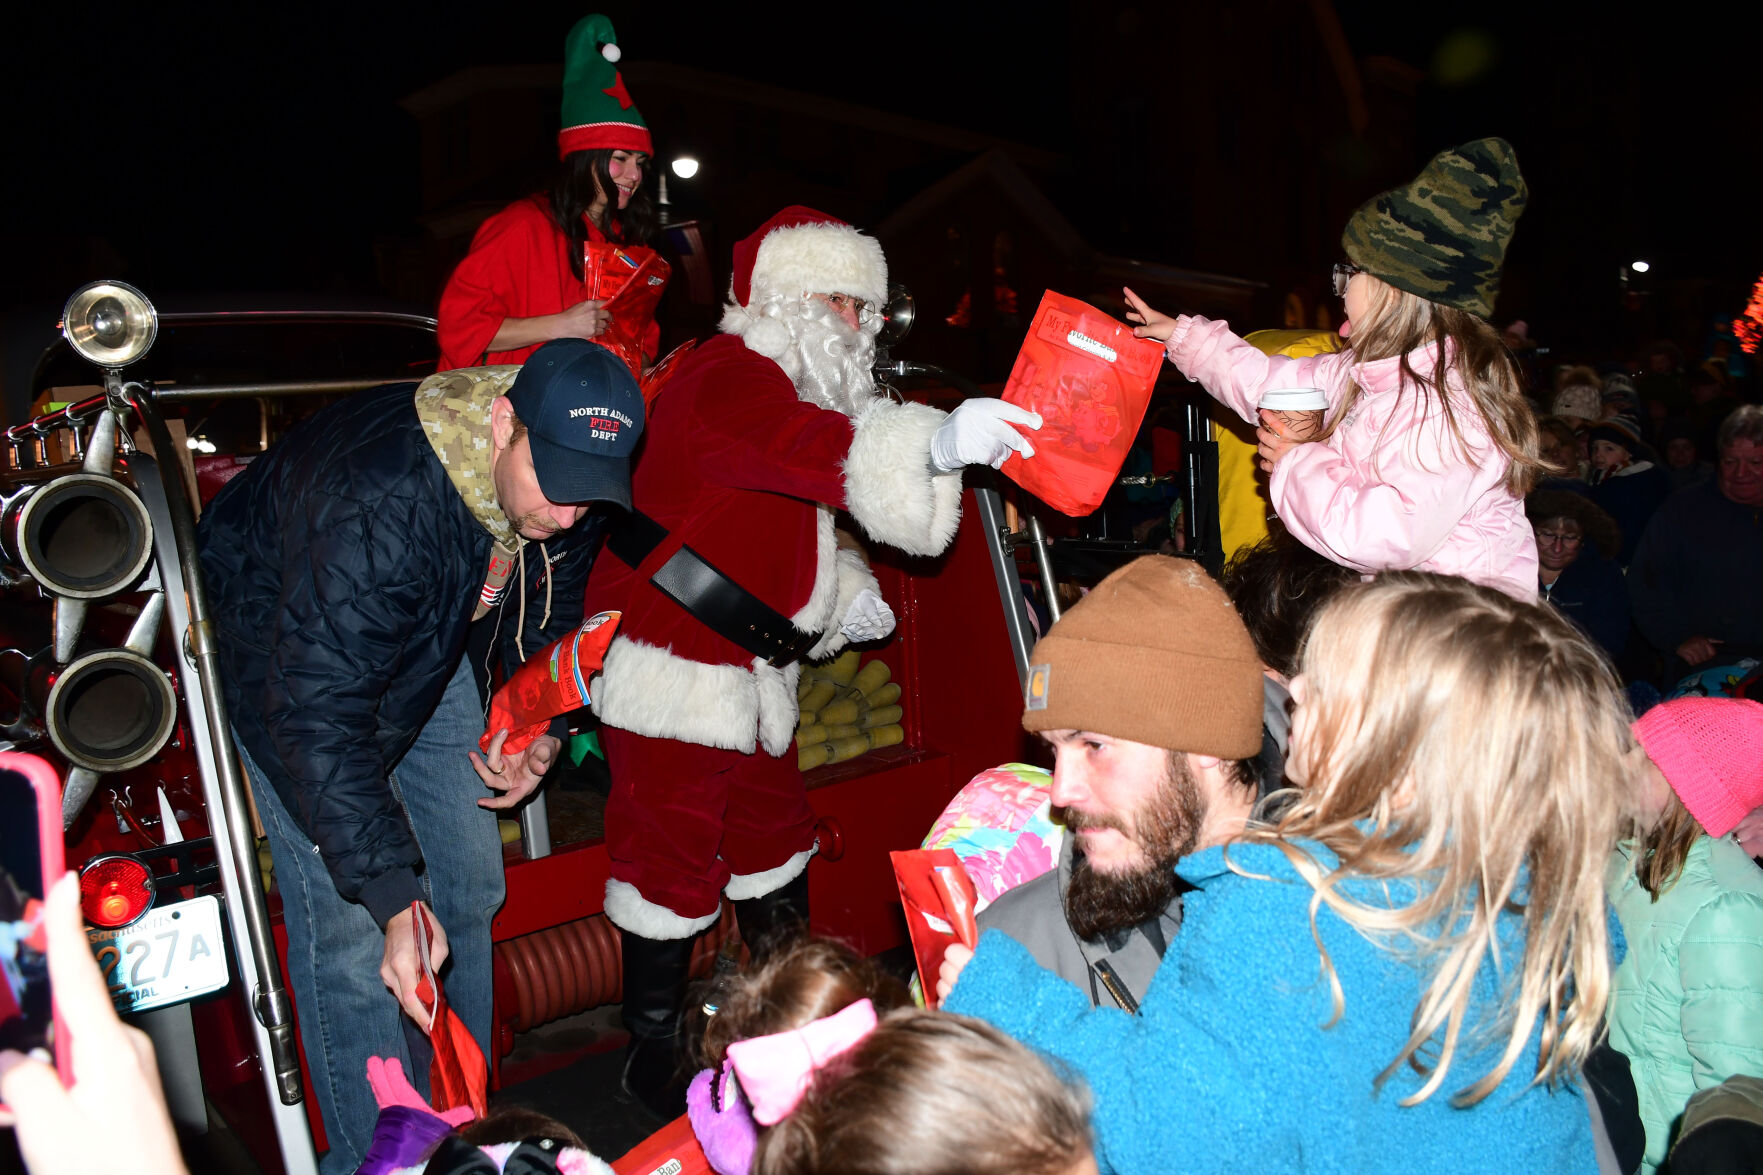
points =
(1166, 829)
(831, 363)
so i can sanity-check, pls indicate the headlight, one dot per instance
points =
(896, 316)
(111, 324)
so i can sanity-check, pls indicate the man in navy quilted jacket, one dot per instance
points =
(346, 567)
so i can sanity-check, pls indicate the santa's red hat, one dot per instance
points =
(802, 251)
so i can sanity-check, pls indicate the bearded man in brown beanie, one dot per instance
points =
(1149, 691)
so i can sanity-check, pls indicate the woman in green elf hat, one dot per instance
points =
(1427, 447)
(570, 262)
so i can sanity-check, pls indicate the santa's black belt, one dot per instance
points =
(716, 601)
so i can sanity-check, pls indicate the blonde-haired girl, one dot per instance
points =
(1410, 968)
(1427, 448)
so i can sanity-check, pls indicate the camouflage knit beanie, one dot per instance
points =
(1443, 237)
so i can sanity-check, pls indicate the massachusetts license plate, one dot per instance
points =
(172, 954)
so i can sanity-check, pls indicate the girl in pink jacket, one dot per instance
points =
(1427, 448)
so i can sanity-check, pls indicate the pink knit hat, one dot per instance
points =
(1710, 751)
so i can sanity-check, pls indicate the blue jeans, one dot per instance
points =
(345, 1012)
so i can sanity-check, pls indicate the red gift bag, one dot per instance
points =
(629, 280)
(939, 898)
(458, 1075)
(1090, 380)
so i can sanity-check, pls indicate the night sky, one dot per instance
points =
(260, 148)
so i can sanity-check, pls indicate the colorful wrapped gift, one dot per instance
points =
(1000, 825)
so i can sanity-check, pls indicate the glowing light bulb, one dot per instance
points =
(685, 167)
(1639, 266)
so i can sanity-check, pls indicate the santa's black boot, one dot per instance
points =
(655, 976)
(777, 918)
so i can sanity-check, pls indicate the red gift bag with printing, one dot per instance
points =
(1090, 380)
(553, 681)
(939, 898)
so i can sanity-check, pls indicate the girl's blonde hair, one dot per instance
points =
(1399, 323)
(928, 1093)
(1468, 749)
(1660, 853)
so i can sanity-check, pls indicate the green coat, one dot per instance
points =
(1687, 1002)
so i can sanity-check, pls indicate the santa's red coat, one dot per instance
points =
(518, 267)
(736, 466)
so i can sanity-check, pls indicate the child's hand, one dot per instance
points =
(1154, 325)
(955, 961)
(1274, 439)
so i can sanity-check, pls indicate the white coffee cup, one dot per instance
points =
(1294, 400)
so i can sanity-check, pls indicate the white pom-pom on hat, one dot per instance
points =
(766, 336)
(611, 53)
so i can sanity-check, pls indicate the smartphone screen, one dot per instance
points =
(26, 1010)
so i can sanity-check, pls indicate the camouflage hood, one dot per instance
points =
(1443, 237)
(454, 408)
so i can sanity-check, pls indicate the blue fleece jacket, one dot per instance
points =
(1227, 1066)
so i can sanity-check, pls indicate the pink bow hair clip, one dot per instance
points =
(775, 1070)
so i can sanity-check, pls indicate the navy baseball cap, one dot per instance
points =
(583, 414)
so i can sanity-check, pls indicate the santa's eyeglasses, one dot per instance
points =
(842, 302)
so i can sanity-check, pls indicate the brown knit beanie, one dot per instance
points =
(1156, 655)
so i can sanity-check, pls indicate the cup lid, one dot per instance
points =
(1294, 399)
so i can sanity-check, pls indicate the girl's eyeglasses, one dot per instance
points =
(1343, 273)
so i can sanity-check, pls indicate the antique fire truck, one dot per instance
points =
(107, 668)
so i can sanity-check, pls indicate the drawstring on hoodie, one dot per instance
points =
(545, 621)
(520, 622)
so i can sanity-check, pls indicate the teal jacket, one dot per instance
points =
(1687, 1008)
(1227, 1066)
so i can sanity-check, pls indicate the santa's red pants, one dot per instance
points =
(683, 818)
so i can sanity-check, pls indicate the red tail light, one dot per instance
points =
(114, 891)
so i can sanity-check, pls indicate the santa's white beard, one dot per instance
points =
(830, 363)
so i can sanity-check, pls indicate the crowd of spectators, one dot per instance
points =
(1667, 469)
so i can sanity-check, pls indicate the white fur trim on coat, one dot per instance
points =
(839, 574)
(776, 690)
(629, 910)
(822, 259)
(889, 487)
(652, 692)
(853, 576)
(742, 886)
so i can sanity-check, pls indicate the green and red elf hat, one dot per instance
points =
(597, 111)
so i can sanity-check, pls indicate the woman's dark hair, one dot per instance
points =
(517, 1124)
(580, 177)
(794, 985)
(1276, 586)
(1546, 505)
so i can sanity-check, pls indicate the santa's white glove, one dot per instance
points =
(867, 619)
(978, 432)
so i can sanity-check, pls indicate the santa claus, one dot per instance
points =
(728, 575)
